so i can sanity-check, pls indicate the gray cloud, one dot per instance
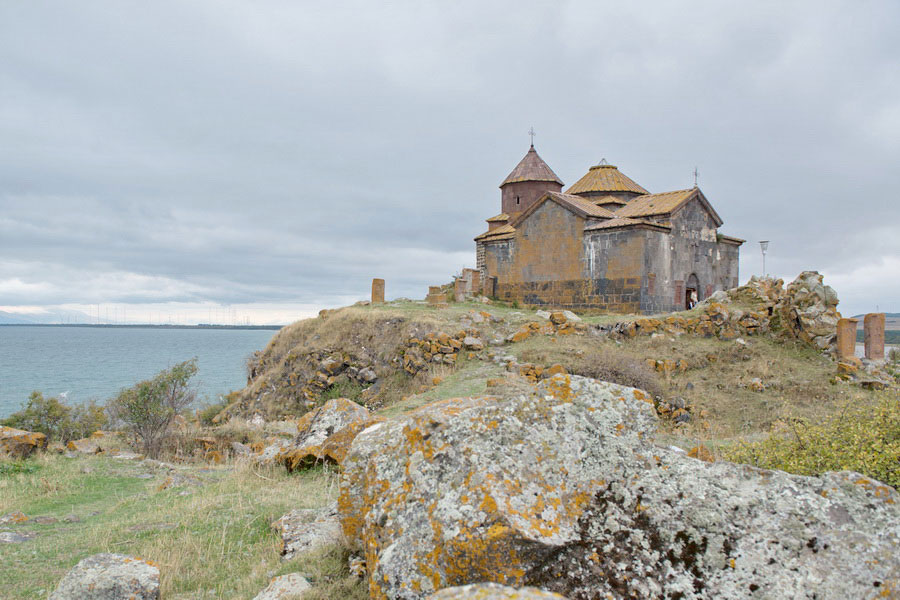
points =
(275, 152)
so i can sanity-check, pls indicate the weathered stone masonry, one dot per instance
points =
(606, 244)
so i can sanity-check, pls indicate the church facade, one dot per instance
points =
(605, 243)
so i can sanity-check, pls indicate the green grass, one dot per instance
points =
(210, 541)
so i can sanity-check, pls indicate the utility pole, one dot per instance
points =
(764, 246)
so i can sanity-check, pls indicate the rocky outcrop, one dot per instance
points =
(562, 489)
(493, 591)
(325, 434)
(18, 443)
(109, 577)
(306, 529)
(808, 311)
(290, 586)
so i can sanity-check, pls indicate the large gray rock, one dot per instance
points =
(305, 529)
(324, 434)
(563, 490)
(285, 587)
(109, 577)
(493, 591)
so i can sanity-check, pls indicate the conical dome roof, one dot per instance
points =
(531, 168)
(605, 178)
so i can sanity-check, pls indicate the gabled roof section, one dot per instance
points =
(501, 218)
(504, 232)
(580, 206)
(622, 222)
(531, 168)
(605, 178)
(666, 203)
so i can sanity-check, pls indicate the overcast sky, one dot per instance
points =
(265, 159)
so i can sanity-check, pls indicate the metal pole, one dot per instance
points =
(764, 245)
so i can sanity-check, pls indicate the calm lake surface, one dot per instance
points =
(96, 362)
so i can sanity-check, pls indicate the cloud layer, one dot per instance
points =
(282, 154)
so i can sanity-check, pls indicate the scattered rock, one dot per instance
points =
(756, 385)
(306, 528)
(71, 519)
(240, 449)
(563, 489)
(109, 577)
(558, 318)
(542, 314)
(13, 518)
(493, 591)
(368, 375)
(473, 343)
(44, 520)
(11, 537)
(18, 443)
(570, 316)
(287, 586)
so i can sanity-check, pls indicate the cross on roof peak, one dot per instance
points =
(532, 134)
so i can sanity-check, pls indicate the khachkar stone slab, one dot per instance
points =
(377, 291)
(873, 326)
(846, 338)
(459, 290)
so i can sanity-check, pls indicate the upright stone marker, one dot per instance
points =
(846, 338)
(378, 291)
(873, 326)
(459, 290)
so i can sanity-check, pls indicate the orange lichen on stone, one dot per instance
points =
(701, 453)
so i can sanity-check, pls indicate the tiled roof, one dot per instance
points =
(732, 240)
(605, 178)
(655, 204)
(606, 200)
(499, 218)
(624, 222)
(531, 168)
(583, 206)
(504, 232)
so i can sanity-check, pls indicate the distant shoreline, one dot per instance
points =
(143, 326)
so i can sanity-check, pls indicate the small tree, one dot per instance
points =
(56, 419)
(149, 408)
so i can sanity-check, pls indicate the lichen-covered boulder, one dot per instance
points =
(109, 577)
(305, 529)
(18, 443)
(493, 591)
(563, 490)
(325, 434)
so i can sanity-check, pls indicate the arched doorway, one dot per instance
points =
(692, 291)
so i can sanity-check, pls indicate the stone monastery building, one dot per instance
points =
(604, 243)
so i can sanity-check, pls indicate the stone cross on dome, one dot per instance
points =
(532, 134)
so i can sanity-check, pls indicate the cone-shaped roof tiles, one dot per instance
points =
(531, 168)
(605, 178)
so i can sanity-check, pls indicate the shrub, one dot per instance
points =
(56, 419)
(861, 438)
(207, 413)
(149, 408)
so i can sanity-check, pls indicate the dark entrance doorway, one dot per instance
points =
(692, 291)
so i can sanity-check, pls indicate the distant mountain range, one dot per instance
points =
(51, 316)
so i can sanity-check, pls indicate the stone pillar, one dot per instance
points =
(846, 338)
(377, 291)
(873, 327)
(435, 296)
(476, 282)
(459, 290)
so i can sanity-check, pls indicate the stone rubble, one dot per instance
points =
(17, 443)
(493, 591)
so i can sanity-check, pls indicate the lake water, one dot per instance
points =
(95, 363)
